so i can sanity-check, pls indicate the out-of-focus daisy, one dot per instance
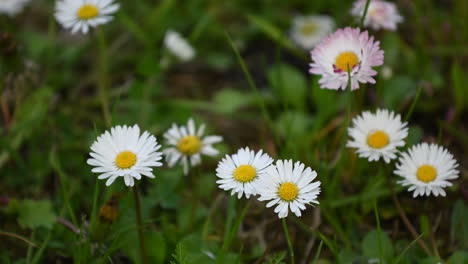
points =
(377, 135)
(380, 14)
(12, 7)
(289, 187)
(123, 152)
(81, 15)
(188, 144)
(345, 50)
(309, 30)
(178, 46)
(427, 169)
(240, 172)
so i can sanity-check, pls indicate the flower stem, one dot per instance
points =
(366, 7)
(102, 78)
(140, 226)
(288, 239)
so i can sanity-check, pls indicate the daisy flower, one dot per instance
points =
(377, 135)
(188, 144)
(289, 187)
(345, 50)
(12, 7)
(380, 14)
(178, 46)
(240, 172)
(427, 168)
(307, 31)
(81, 15)
(123, 152)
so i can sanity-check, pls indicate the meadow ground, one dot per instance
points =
(242, 69)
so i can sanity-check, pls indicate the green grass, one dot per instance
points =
(248, 83)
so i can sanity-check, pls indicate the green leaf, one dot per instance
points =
(34, 214)
(289, 84)
(458, 257)
(398, 90)
(179, 255)
(459, 222)
(156, 247)
(370, 245)
(227, 101)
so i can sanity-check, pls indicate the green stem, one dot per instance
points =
(413, 105)
(364, 14)
(379, 231)
(141, 238)
(228, 239)
(288, 239)
(102, 78)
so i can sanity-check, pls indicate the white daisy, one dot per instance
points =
(346, 50)
(427, 169)
(123, 152)
(380, 14)
(307, 31)
(288, 186)
(188, 145)
(12, 7)
(178, 46)
(240, 172)
(80, 15)
(377, 135)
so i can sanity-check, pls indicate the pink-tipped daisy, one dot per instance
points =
(380, 14)
(346, 50)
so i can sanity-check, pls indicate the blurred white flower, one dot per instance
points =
(386, 72)
(240, 172)
(380, 14)
(178, 46)
(377, 135)
(12, 7)
(123, 152)
(307, 31)
(187, 144)
(427, 169)
(81, 15)
(345, 50)
(289, 187)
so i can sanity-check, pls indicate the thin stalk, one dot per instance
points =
(413, 104)
(228, 239)
(102, 78)
(379, 231)
(363, 18)
(27, 241)
(141, 238)
(288, 239)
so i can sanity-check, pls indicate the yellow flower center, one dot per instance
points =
(346, 60)
(288, 191)
(377, 139)
(87, 11)
(189, 145)
(125, 159)
(245, 173)
(308, 28)
(426, 173)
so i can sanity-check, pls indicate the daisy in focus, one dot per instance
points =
(427, 169)
(307, 31)
(123, 152)
(178, 46)
(380, 14)
(187, 144)
(345, 50)
(81, 15)
(289, 187)
(378, 135)
(240, 172)
(12, 7)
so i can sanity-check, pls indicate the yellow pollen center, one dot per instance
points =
(426, 173)
(308, 29)
(288, 191)
(189, 145)
(346, 60)
(245, 173)
(125, 159)
(87, 11)
(377, 139)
